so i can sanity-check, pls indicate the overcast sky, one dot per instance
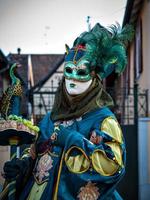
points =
(44, 26)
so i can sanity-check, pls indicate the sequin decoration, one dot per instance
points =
(89, 192)
(67, 122)
(44, 165)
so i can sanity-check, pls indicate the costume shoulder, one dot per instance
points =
(98, 115)
(108, 123)
(46, 127)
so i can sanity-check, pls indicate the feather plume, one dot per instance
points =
(106, 48)
(122, 35)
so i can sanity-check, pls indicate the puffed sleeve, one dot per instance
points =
(109, 160)
(106, 157)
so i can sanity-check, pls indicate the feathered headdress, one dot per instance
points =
(105, 48)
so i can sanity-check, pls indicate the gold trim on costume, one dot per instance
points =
(112, 128)
(102, 164)
(4, 192)
(117, 152)
(79, 163)
(49, 152)
(38, 182)
(53, 154)
(58, 177)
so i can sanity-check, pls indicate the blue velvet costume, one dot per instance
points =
(80, 152)
(78, 169)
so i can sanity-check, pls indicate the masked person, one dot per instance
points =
(80, 152)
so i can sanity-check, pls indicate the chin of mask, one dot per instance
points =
(76, 87)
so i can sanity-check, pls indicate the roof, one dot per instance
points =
(43, 66)
(132, 10)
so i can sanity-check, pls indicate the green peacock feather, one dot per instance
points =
(13, 92)
(106, 48)
(13, 77)
(122, 35)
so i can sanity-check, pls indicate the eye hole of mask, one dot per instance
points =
(68, 70)
(82, 72)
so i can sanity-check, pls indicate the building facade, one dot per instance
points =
(137, 76)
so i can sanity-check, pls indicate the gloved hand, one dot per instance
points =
(14, 168)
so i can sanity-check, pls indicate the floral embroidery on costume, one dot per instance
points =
(95, 139)
(89, 192)
(44, 164)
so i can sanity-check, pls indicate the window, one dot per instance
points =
(138, 50)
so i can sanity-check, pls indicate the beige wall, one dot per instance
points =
(132, 65)
(144, 80)
(145, 16)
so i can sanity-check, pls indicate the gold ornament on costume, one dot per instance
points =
(89, 192)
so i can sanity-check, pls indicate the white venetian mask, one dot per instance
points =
(74, 87)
